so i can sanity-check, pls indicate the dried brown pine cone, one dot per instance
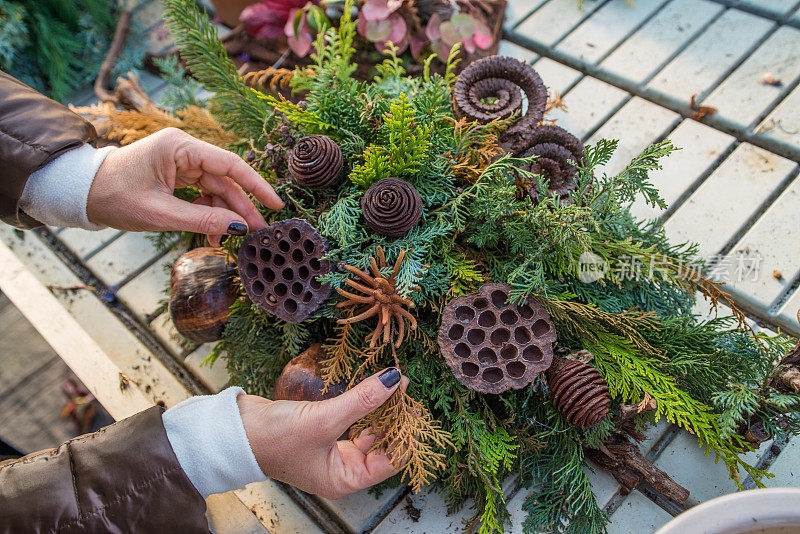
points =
(578, 391)
(555, 148)
(504, 79)
(391, 207)
(316, 162)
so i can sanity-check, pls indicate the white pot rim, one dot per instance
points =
(745, 511)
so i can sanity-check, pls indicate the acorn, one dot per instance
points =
(301, 379)
(201, 292)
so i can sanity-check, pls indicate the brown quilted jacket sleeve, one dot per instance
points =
(124, 478)
(33, 131)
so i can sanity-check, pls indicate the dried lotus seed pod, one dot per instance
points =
(492, 345)
(279, 267)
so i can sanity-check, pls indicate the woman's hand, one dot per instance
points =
(133, 188)
(296, 442)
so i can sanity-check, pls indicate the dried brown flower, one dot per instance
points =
(379, 297)
(578, 391)
(558, 154)
(504, 79)
(391, 207)
(316, 161)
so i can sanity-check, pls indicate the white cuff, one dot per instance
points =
(209, 440)
(56, 194)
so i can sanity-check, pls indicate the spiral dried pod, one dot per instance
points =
(492, 345)
(502, 79)
(391, 207)
(201, 291)
(316, 162)
(301, 378)
(558, 154)
(280, 266)
(578, 391)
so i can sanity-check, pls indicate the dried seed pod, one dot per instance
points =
(201, 291)
(280, 265)
(558, 152)
(316, 162)
(491, 345)
(301, 379)
(503, 79)
(578, 391)
(391, 207)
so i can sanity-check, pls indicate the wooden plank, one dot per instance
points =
(62, 332)
(226, 513)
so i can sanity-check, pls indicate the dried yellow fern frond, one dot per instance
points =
(128, 126)
(270, 78)
(477, 147)
(409, 437)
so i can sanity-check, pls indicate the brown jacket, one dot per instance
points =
(124, 478)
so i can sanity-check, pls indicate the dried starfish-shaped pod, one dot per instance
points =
(504, 79)
(379, 298)
(558, 153)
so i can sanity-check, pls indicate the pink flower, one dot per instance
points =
(299, 42)
(267, 19)
(469, 31)
(379, 24)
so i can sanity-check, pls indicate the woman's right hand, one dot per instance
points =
(296, 441)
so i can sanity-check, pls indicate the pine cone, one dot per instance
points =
(503, 78)
(391, 207)
(280, 267)
(492, 346)
(555, 147)
(578, 391)
(316, 162)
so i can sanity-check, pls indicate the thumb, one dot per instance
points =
(356, 403)
(178, 214)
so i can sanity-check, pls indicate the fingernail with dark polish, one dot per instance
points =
(390, 377)
(237, 228)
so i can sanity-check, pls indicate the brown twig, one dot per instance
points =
(626, 463)
(117, 45)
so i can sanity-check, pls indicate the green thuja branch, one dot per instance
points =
(631, 377)
(239, 107)
(407, 144)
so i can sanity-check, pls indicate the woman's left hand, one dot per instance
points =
(133, 189)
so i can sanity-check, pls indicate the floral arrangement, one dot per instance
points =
(432, 226)
(408, 24)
